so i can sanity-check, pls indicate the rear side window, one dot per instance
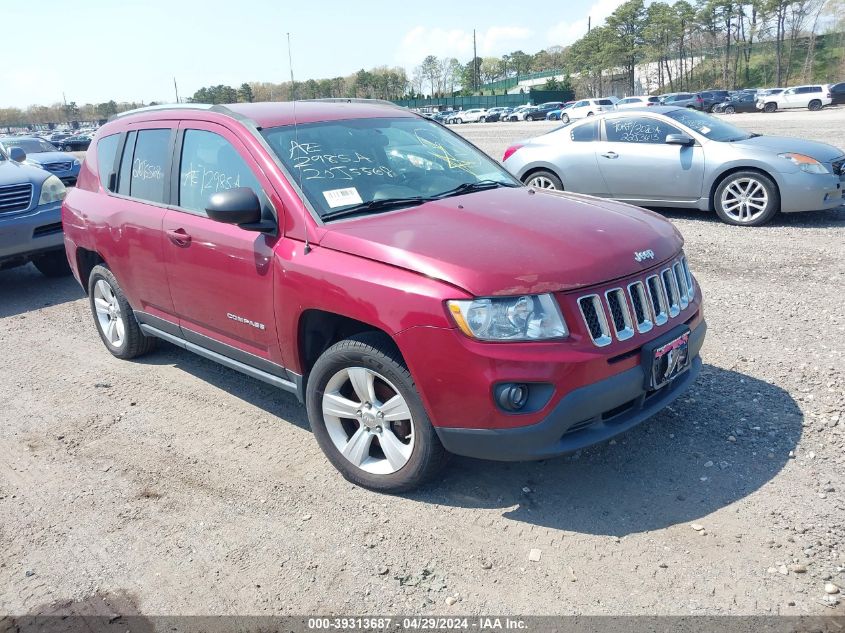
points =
(586, 132)
(149, 165)
(126, 164)
(210, 164)
(604, 102)
(106, 150)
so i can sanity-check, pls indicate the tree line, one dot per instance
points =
(662, 47)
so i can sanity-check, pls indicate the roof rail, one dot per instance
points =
(174, 106)
(383, 102)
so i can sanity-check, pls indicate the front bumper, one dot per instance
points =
(30, 232)
(585, 416)
(800, 191)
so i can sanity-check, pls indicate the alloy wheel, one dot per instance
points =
(368, 420)
(541, 182)
(744, 200)
(108, 313)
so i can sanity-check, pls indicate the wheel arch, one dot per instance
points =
(85, 262)
(533, 169)
(720, 178)
(318, 330)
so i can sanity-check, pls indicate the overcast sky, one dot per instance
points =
(130, 50)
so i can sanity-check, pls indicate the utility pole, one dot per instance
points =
(474, 64)
(589, 23)
(176, 88)
(64, 100)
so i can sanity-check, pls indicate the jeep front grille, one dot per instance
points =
(640, 306)
(15, 198)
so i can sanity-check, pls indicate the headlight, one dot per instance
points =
(526, 318)
(52, 190)
(805, 163)
(76, 162)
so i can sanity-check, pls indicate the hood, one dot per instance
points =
(511, 241)
(12, 173)
(42, 158)
(822, 152)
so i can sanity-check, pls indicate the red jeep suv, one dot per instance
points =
(416, 297)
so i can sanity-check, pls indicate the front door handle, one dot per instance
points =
(179, 237)
(610, 155)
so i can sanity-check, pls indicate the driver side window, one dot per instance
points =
(210, 164)
(638, 130)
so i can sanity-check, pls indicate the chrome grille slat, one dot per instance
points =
(593, 313)
(658, 300)
(619, 313)
(681, 283)
(15, 198)
(642, 305)
(670, 286)
(690, 283)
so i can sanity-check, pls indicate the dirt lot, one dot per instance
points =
(171, 485)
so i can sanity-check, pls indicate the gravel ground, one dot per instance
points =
(171, 485)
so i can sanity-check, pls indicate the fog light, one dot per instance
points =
(512, 396)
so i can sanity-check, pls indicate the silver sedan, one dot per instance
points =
(677, 157)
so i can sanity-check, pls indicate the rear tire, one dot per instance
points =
(386, 455)
(544, 179)
(815, 105)
(746, 198)
(114, 317)
(52, 264)
(770, 107)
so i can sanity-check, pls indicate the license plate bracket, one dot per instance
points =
(666, 358)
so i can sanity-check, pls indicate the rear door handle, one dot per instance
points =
(179, 237)
(611, 155)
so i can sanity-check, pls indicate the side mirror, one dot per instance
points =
(239, 206)
(17, 154)
(680, 139)
(234, 206)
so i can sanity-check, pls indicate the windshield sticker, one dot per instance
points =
(342, 197)
(704, 130)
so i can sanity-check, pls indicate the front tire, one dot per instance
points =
(368, 418)
(544, 179)
(564, 118)
(770, 107)
(52, 264)
(729, 110)
(747, 198)
(114, 317)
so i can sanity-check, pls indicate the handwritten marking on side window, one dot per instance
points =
(638, 132)
(145, 170)
(205, 179)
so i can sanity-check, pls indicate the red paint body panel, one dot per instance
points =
(393, 271)
(511, 241)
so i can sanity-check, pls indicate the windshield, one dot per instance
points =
(708, 126)
(30, 145)
(367, 164)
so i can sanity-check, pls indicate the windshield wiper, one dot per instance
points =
(469, 187)
(373, 206)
